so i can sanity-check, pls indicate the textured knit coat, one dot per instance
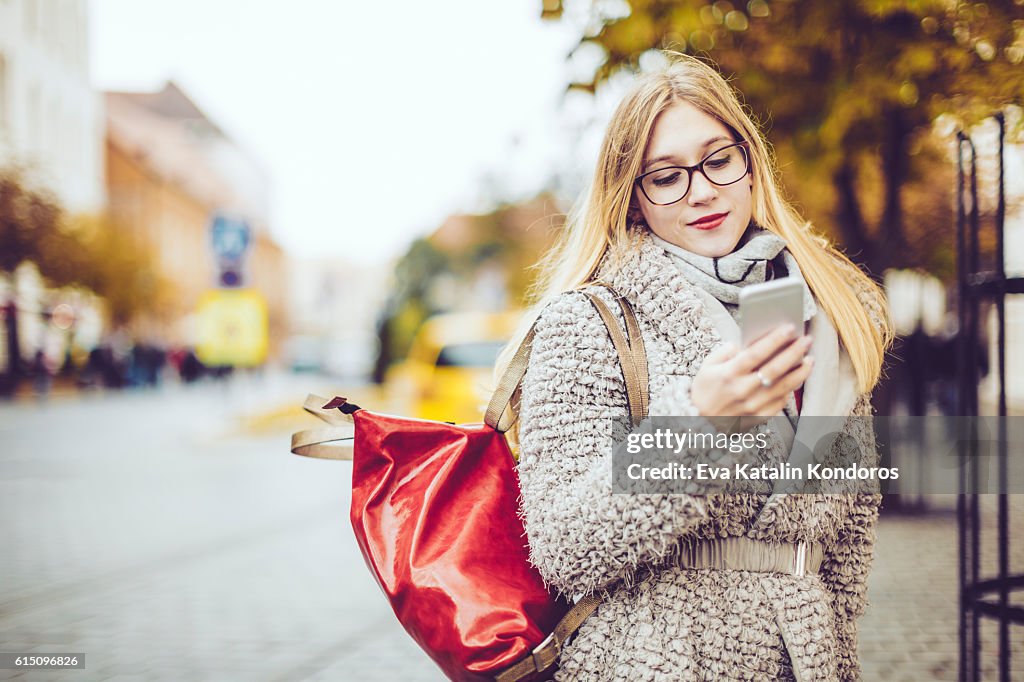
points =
(659, 621)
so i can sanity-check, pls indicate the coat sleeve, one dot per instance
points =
(844, 572)
(847, 564)
(582, 537)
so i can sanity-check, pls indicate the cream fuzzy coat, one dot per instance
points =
(658, 621)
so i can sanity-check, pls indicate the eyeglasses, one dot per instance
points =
(721, 167)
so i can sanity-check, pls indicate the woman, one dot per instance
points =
(684, 210)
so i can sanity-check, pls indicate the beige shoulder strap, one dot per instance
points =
(314, 442)
(632, 358)
(632, 355)
(498, 416)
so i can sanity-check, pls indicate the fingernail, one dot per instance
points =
(808, 359)
(806, 340)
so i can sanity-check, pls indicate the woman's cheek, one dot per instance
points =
(665, 216)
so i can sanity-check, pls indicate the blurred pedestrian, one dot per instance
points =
(42, 375)
(191, 368)
(684, 211)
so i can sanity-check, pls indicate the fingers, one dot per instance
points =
(785, 360)
(771, 401)
(796, 376)
(759, 352)
(729, 375)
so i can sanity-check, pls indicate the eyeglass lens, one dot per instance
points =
(723, 167)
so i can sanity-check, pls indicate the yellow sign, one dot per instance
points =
(232, 328)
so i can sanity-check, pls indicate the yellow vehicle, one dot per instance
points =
(448, 373)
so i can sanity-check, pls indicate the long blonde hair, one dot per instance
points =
(605, 222)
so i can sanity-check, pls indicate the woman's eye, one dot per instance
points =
(666, 180)
(718, 161)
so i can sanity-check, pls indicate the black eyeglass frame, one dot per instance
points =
(742, 144)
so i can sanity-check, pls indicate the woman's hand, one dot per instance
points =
(729, 383)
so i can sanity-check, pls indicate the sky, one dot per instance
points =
(373, 120)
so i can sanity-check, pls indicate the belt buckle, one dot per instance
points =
(800, 559)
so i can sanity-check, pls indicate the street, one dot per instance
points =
(146, 531)
(169, 536)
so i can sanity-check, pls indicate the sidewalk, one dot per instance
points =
(909, 631)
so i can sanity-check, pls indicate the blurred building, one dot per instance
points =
(169, 171)
(51, 120)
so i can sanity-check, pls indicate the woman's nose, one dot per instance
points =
(701, 190)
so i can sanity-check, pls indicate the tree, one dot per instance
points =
(121, 271)
(80, 250)
(29, 222)
(86, 251)
(851, 90)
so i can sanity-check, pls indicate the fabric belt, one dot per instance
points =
(746, 554)
(728, 554)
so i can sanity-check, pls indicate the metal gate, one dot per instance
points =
(986, 591)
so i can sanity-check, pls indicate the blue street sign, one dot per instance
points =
(230, 238)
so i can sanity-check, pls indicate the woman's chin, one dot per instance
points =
(712, 243)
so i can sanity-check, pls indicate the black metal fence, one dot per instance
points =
(986, 591)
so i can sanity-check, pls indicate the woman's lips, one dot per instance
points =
(709, 222)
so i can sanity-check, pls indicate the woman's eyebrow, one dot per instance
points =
(672, 157)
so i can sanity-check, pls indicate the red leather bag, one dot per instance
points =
(435, 513)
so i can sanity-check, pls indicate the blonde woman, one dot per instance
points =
(684, 211)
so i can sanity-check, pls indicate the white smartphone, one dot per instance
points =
(768, 305)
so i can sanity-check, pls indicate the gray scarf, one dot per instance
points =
(724, 277)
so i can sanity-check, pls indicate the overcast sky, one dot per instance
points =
(374, 120)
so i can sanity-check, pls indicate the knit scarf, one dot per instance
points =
(750, 263)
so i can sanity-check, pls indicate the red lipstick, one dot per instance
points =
(709, 222)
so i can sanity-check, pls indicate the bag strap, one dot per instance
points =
(313, 442)
(631, 351)
(548, 651)
(497, 416)
(632, 359)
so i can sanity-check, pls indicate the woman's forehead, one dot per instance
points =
(685, 134)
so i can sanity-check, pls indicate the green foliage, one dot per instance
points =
(850, 89)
